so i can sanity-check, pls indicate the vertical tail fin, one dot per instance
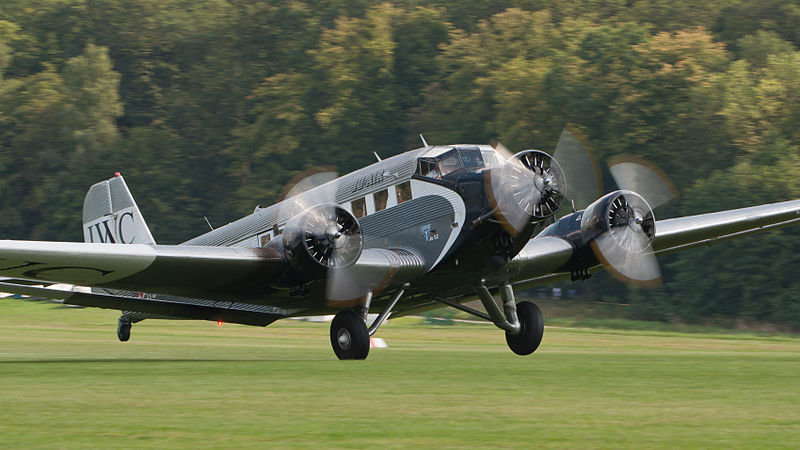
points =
(110, 215)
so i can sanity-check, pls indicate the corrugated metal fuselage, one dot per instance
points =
(435, 223)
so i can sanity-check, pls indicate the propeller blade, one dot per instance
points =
(307, 180)
(580, 167)
(636, 174)
(630, 268)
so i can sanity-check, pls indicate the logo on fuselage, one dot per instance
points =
(428, 234)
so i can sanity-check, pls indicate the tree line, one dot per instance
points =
(209, 107)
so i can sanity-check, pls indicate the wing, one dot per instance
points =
(174, 307)
(231, 284)
(691, 231)
(201, 272)
(547, 259)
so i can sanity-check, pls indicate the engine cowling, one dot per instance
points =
(620, 213)
(620, 228)
(324, 237)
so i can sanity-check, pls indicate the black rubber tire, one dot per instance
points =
(124, 330)
(349, 337)
(530, 336)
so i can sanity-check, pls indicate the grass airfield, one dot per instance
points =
(68, 383)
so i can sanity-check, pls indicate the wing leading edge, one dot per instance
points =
(704, 229)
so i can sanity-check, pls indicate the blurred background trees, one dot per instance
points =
(210, 107)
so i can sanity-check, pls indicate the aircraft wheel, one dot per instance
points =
(124, 329)
(349, 336)
(530, 336)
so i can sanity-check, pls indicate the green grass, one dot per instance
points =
(68, 383)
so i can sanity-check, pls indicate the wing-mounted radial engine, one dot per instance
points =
(323, 237)
(617, 231)
(620, 228)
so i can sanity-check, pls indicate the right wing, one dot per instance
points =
(172, 307)
(190, 271)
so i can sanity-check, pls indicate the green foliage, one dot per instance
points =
(210, 107)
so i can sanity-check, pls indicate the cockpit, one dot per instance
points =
(440, 162)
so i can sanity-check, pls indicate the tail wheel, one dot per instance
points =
(530, 336)
(349, 337)
(124, 329)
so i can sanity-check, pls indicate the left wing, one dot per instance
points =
(541, 259)
(704, 229)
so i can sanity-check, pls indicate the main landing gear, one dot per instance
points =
(349, 332)
(522, 322)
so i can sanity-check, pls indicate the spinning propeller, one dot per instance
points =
(527, 186)
(321, 238)
(625, 218)
(619, 226)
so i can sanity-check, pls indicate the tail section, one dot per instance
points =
(110, 215)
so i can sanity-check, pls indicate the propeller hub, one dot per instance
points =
(334, 234)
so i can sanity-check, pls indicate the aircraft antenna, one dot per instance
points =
(423, 140)
(376, 155)
(209, 223)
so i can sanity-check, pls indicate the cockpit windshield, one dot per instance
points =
(458, 159)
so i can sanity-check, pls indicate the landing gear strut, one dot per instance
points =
(522, 321)
(124, 328)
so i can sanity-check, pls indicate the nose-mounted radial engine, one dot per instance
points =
(527, 188)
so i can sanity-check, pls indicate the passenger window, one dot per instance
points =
(380, 198)
(359, 207)
(403, 192)
(264, 239)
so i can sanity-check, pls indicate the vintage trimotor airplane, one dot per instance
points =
(440, 225)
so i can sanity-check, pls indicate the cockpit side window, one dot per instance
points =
(430, 168)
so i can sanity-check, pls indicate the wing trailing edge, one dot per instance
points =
(229, 312)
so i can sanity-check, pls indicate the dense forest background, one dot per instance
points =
(209, 107)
